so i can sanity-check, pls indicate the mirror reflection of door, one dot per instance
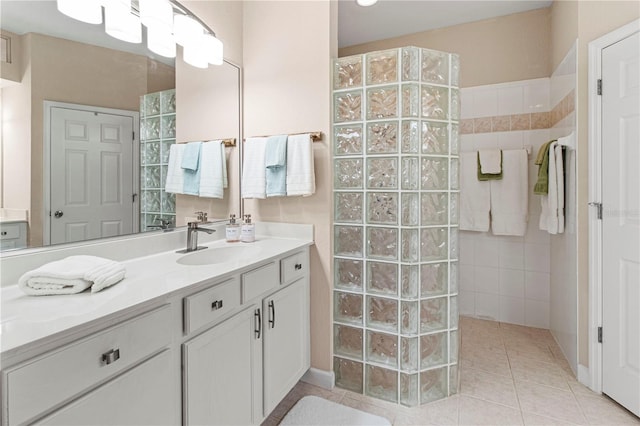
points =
(92, 189)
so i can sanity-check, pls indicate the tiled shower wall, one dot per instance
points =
(396, 197)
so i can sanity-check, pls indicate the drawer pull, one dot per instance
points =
(298, 266)
(110, 357)
(272, 313)
(4, 232)
(257, 315)
(217, 304)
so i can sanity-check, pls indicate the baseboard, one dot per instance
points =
(317, 377)
(584, 376)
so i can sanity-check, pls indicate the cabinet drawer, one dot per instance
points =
(54, 378)
(9, 231)
(210, 304)
(293, 267)
(259, 281)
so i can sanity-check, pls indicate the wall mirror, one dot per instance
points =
(72, 72)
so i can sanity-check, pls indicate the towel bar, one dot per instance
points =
(315, 136)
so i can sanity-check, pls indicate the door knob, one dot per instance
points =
(58, 213)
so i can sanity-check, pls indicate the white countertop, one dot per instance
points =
(28, 319)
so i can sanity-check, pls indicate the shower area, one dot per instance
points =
(396, 199)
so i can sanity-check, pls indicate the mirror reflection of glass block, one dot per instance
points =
(455, 104)
(434, 208)
(382, 278)
(454, 379)
(455, 70)
(454, 284)
(382, 314)
(410, 173)
(152, 104)
(453, 243)
(433, 350)
(409, 354)
(409, 280)
(347, 341)
(454, 209)
(166, 148)
(435, 138)
(435, 173)
(455, 139)
(410, 209)
(151, 128)
(347, 307)
(433, 279)
(382, 67)
(410, 100)
(348, 274)
(409, 389)
(169, 126)
(168, 101)
(410, 137)
(454, 171)
(382, 102)
(348, 139)
(348, 241)
(433, 244)
(382, 137)
(453, 310)
(348, 374)
(435, 102)
(347, 106)
(435, 67)
(382, 173)
(347, 72)
(410, 64)
(382, 348)
(152, 201)
(381, 383)
(142, 112)
(163, 177)
(382, 243)
(348, 173)
(348, 207)
(152, 219)
(433, 314)
(152, 177)
(409, 317)
(409, 245)
(454, 345)
(433, 385)
(168, 202)
(170, 218)
(382, 207)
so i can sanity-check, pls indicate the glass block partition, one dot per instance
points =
(396, 198)
(157, 134)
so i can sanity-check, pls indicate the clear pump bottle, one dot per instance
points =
(233, 230)
(248, 233)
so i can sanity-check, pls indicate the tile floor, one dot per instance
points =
(509, 375)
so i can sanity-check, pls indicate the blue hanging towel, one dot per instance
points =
(191, 167)
(276, 164)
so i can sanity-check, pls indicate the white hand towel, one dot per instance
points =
(213, 170)
(509, 196)
(73, 274)
(490, 161)
(175, 173)
(560, 183)
(301, 179)
(253, 168)
(552, 214)
(475, 201)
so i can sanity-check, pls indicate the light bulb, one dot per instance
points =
(161, 41)
(366, 2)
(186, 30)
(156, 13)
(193, 55)
(213, 49)
(120, 23)
(89, 11)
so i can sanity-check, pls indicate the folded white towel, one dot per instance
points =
(560, 184)
(301, 179)
(253, 168)
(490, 161)
(213, 174)
(475, 201)
(175, 172)
(73, 274)
(509, 196)
(552, 215)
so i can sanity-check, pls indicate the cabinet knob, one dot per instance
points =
(298, 266)
(110, 357)
(217, 304)
(4, 232)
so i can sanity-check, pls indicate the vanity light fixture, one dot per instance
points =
(120, 23)
(89, 11)
(366, 2)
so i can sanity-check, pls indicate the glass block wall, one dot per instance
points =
(157, 134)
(396, 198)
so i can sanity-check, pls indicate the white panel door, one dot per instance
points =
(621, 222)
(91, 175)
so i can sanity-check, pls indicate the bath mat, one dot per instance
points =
(312, 410)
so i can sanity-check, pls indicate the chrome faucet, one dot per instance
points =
(192, 233)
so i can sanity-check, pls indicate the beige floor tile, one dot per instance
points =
(334, 395)
(487, 386)
(579, 388)
(443, 412)
(473, 411)
(369, 408)
(548, 401)
(491, 365)
(543, 373)
(535, 354)
(601, 410)
(531, 419)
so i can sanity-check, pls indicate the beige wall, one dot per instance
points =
(288, 48)
(12, 70)
(509, 48)
(564, 29)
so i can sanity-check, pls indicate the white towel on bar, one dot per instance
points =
(253, 168)
(73, 274)
(475, 201)
(552, 214)
(301, 179)
(509, 196)
(490, 161)
(213, 173)
(175, 173)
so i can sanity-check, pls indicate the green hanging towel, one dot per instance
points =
(489, 176)
(542, 160)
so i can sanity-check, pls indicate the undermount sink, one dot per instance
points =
(215, 255)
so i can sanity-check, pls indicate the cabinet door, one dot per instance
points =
(286, 341)
(222, 373)
(144, 395)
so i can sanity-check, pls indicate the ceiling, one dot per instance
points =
(393, 18)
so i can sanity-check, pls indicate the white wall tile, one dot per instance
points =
(466, 103)
(487, 279)
(537, 96)
(467, 251)
(487, 253)
(467, 143)
(487, 306)
(536, 257)
(467, 278)
(537, 286)
(512, 310)
(466, 303)
(511, 255)
(534, 234)
(485, 102)
(536, 313)
(510, 140)
(512, 283)
(485, 141)
(510, 100)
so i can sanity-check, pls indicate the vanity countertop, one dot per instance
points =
(30, 319)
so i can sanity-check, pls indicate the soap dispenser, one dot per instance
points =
(233, 230)
(248, 233)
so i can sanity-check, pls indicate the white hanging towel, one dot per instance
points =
(509, 196)
(301, 179)
(213, 174)
(475, 201)
(552, 215)
(253, 168)
(490, 161)
(175, 173)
